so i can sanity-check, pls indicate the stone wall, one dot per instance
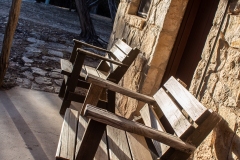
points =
(155, 37)
(216, 83)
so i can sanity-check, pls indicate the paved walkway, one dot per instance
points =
(29, 124)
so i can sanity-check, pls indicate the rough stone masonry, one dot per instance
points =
(216, 83)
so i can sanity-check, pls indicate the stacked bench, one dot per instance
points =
(174, 123)
(112, 67)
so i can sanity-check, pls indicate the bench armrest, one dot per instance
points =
(116, 88)
(108, 118)
(91, 54)
(92, 46)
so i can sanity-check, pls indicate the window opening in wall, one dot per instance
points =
(144, 8)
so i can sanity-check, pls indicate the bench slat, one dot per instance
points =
(123, 46)
(117, 143)
(66, 66)
(119, 54)
(90, 141)
(179, 123)
(150, 119)
(101, 153)
(138, 146)
(66, 144)
(188, 102)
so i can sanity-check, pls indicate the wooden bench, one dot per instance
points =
(112, 67)
(174, 125)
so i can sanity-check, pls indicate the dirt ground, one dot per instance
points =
(44, 35)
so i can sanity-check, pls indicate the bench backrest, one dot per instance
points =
(182, 115)
(121, 52)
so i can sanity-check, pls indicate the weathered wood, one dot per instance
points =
(74, 51)
(197, 136)
(119, 89)
(188, 102)
(123, 46)
(182, 83)
(118, 144)
(118, 73)
(92, 97)
(90, 140)
(66, 67)
(88, 53)
(101, 153)
(119, 54)
(138, 147)
(91, 46)
(103, 70)
(8, 37)
(121, 123)
(72, 82)
(66, 144)
(179, 123)
(150, 119)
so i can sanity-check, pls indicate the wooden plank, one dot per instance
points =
(90, 140)
(92, 96)
(118, 53)
(91, 54)
(111, 119)
(138, 147)
(114, 87)
(101, 153)
(120, 71)
(188, 102)
(179, 123)
(123, 46)
(72, 81)
(66, 67)
(117, 143)
(66, 144)
(150, 119)
(112, 67)
(92, 71)
(198, 135)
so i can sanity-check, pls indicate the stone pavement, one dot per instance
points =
(29, 124)
(44, 35)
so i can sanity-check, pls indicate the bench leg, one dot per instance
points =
(62, 89)
(65, 104)
(72, 82)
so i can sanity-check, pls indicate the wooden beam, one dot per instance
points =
(8, 37)
(150, 119)
(119, 89)
(92, 96)
(89, 45)
(113, 120)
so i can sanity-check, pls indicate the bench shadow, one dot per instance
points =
(227, 142)
(27, 135)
